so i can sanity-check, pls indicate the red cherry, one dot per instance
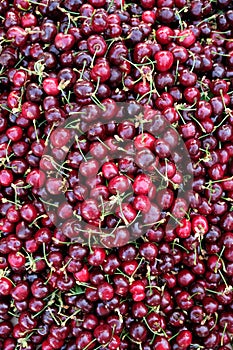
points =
(14, 133)
(82, 275)
(109, 170)
(142, 203)
(16, 260)
(30, 110)
(129, 267)
(161, 343)
(36, 178)
(28, 212)
(96, 45)
(28, 20)
(51, 86)
(105, 291)
(200, 225)
(64, 42)
(103, 333)
(144, 140)
(13, 99)
(100, 72)
(164, 35)
(183, 230)
(60, 137)
(186, 38)
(126, 212)
(18, 36)
(118, 184)
(184, 339)
(6, 177)
(142, 184)
(90, 210)
(137, 288)
(115, 342)
(20, 78)
(164, 60)
(5, 286)
(97, 257)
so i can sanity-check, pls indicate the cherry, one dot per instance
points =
(64, 41)
(145, 140)
(141, 184)
(6, 177)
(200, 225)
(14, 133)
(109, 170)
(18, 35)
(184, 229)
(164, 35)
(5, 286)
(96, 45)
(51, 86)
(138, 331)
(185, 277)
(135, 66)
(26, 322)
(126, 212)
(164, 60)
(186, 38)
(85, 339)
(118, 184)
(28, 20)
(28, 212)
(30, 110)
(161, 343)
(105, 291)
(39, 290)
(16, 260)
(21, 291)
(148, 251)
(102, 333)
(162, 148)
(82, 275)
(97, 257)
(184, 339)
(184, 301)
(142, 203)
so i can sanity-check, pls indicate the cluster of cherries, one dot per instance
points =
(116, 175)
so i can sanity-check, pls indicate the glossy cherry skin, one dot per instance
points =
(184, 339)
(164, 60)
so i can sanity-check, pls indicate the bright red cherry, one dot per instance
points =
(16, 260)
(200, 225)
(5, 286)
(183, 230)
(142, 184)
(184, 339)
(30, 110)
(51, 86)
(105, 291)
(186, 38)
(164, 35)
(64, 42)
(6, 177)
(142, 203)
(164, 60)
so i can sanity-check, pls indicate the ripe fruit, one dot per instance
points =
(116, 174)
(164, 60)
(5, 286)
(51, 86)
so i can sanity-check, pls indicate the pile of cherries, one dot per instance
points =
(116, 175)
